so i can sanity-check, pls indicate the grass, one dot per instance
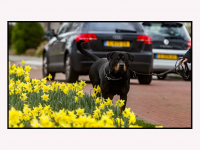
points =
(145, 124)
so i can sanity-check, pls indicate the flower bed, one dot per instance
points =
(35, 104)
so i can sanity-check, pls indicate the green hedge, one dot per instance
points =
(26, 35)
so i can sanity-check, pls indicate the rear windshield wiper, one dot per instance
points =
(125, 31)
(168, 24)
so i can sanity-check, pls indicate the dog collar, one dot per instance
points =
(110, 77)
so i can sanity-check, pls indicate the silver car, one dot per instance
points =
(170, 41)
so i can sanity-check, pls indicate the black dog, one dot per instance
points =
(112, 74)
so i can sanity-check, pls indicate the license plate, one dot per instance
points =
(165, 56)
(117, 43)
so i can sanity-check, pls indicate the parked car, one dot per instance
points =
(61, 54)
(170, 41)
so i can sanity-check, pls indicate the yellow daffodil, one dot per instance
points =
(27, 79)
(102, 106)
(11, 86)
(75, 86)
(159, 126)
(45, 121)
(27, 68)
(13, 67)
(21, 125)
(108, 102)
(80, 93)
(62, 86)
(109, 113)
(106, 121)
(80, 111)
(36, 89)
(94, 95)
(18, 90)
(26, 109)
(132, 119)
(120, 103)
(22, 62)
(44, 81)
(82, 83)
(23, 97)
(98, 100)
(11, 71)
(14, 116)
(45, 97)
(76, 99)
(35, 112)
(79, 88)
(20, 72)
(126, 112)
(11, 81)
(69, 86)
(66, 90)
(45, 89)
(96, 113)
(98, 90)
(49, 77)
(34, 123)
(135, 126)
(40, 106)
(26, 74)
(34, 81)
(120, 122)
(18, 82)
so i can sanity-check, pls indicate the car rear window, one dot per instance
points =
(174, 30)
(112, 26)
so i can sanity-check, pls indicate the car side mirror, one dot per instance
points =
(49, 34)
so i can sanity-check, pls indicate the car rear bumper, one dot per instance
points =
(161, 65)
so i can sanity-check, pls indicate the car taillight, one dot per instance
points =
(144, 38)
(86, 37)
(189, 44)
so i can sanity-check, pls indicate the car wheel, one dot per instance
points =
(144, 79)
(70, 74)
(162, 77)
(45, 69)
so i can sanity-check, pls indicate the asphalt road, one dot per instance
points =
(166, 102)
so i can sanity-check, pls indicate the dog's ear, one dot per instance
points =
(131, 56)
(109, 55)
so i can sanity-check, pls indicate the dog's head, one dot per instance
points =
(120, 61)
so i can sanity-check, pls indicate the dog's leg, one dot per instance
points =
(123, 97)
(106, 95)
